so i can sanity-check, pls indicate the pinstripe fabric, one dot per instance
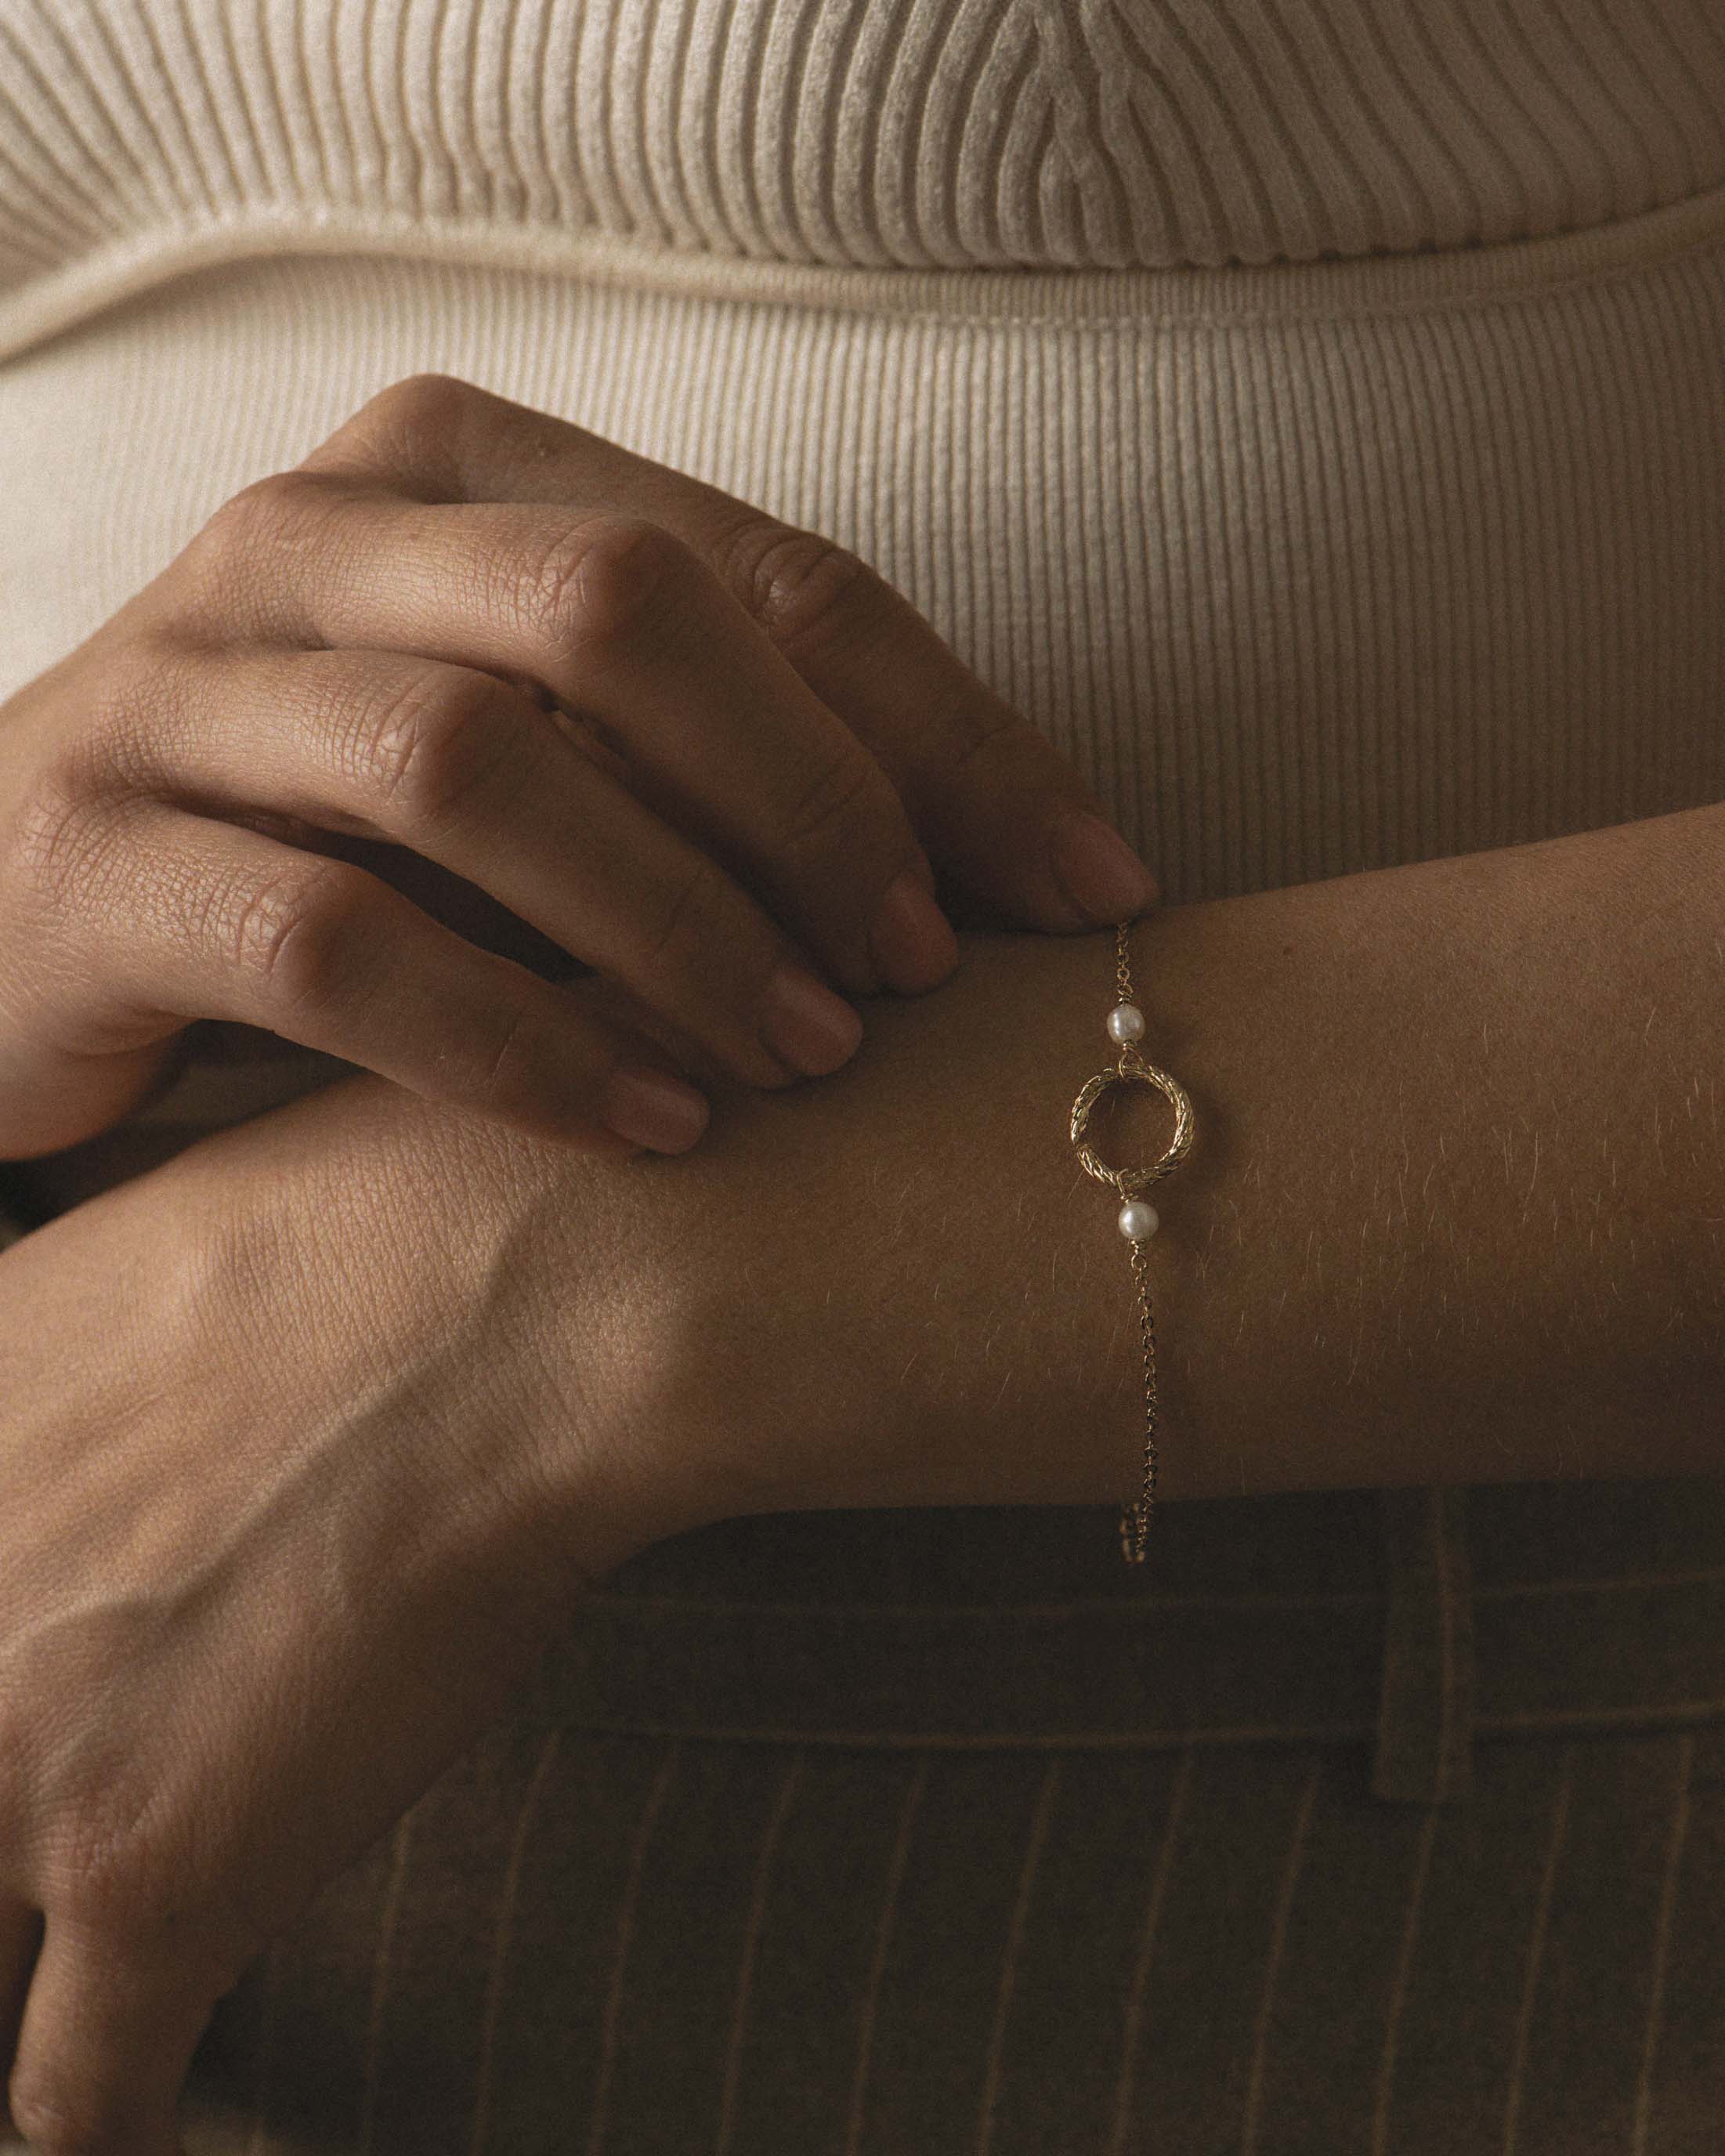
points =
(1426, 1707)
(1309, 412)
(1205, 1951)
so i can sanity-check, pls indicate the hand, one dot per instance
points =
(275, 1546)
(363, 1312)
(716, 758)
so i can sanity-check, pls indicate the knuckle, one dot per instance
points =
(59, 863)
(267, 511)
(60, 822)
(604, 586)
(122, 748)
(54, 840)
(804, 589)
(426, 751)
(426, 403)
(422, 430)
(288, 936)
(235, 550)
(415, 421)
(106, 1868)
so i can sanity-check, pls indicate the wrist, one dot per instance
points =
(435, 1264)
(1450, 1216)
(821, 1300)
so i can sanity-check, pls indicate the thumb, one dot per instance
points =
(104, 2048)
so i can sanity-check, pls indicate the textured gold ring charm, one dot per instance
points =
(1130, 1181)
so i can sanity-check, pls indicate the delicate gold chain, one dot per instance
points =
(1135, 1520)
(1137, 1220)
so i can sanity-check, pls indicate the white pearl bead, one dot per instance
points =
(1138, 1220)
(1126, 1022)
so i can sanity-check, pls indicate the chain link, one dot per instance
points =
(1135, 1520)
(1130, 1058)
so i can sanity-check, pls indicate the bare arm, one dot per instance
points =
(1456, 1210)
(309, 1438)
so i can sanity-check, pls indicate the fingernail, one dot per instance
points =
(649, 1109)
(912, 940)
(806, 1026)
(1096, 869)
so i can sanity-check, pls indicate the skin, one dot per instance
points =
(594, 698)
(1454, 1214)
(526, 774)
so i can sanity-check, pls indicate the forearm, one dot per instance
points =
(1454, 1214)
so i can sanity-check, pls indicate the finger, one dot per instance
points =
(217, 921)
(626, 624)
(465, 771)
(106, 2043)
(994, 803)
(20, 1940)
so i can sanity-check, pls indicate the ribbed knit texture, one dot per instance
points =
(1312, 565)
(913, 1834)
(1302, 592)
(918, 133)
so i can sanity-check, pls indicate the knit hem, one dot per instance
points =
(1067, 299)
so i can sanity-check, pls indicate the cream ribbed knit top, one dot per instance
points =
(1309, 411)
(881, 133)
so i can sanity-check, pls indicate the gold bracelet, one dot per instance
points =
(1137, 1219)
